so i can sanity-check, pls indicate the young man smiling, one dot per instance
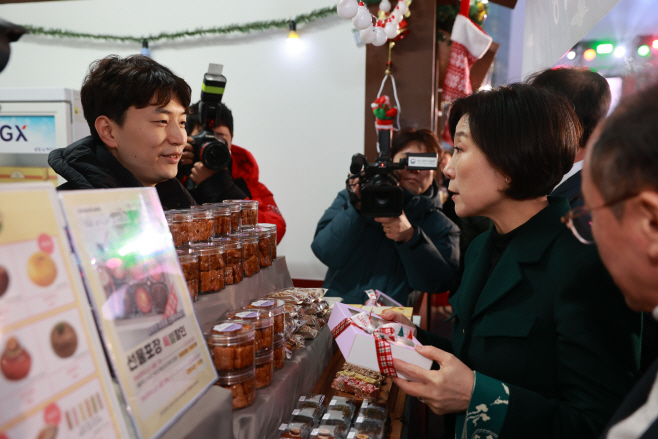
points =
(136, 110)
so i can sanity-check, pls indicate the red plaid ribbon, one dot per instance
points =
(172, 303)
(343, 325)
(384, 356)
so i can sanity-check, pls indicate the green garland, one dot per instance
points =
(314, 15)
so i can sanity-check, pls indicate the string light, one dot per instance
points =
(571, 54)
(589, 54)
(293, 30)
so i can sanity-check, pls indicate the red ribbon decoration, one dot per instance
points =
(383, 337)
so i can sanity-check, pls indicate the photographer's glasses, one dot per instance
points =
(579, 219)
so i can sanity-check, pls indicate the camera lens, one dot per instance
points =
(215, 155)
(382, 201)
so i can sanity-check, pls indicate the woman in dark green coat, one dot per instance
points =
(542, 344)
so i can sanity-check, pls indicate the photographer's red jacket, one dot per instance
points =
(245, 167)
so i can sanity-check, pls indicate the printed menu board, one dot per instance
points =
(54, 378)
(140, 301)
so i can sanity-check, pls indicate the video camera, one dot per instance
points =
(381, 195)
(213, 151)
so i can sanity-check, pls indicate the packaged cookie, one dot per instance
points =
(203, 224)
(190, 265)
(242, 384)
(373, 410)
(371, 428)
(233, 271)
(212, 262)
(309, 415)
(310, 400)
(272, 228)
(180, 226)
(279, 352)
(250, 261)
(336, 417)
(366, 431)
(264, 368)
(264, 247)
(232, 345)
(221, 213)
(294, 430)
(276, 308)
(263, 323)
(337, 431)
(343, 403)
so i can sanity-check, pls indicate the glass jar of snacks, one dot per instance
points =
(203, 225)
(272, 228)
(189, 263)
(234, 270)
(180, 226)
(276, 307)
(263, 323)
(250, 252)
(222, 214)
(264, 369)
(279, 351)
(212, 261)
(248, 213)
(236, 215)
(243, 385)
(232, 345)
(264, 246)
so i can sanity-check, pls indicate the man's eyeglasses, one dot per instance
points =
(579, 219)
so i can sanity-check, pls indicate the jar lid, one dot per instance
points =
(260, 318)
(187, 257)
(180, 215)
(218, 209)
(275, 306)
(228, 243)
(249, 204)
(264, 357)
(201, 212)
(229, 332)
(207, 248)
(267, 226)
(236, 377)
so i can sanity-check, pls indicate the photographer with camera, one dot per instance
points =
(379, 234)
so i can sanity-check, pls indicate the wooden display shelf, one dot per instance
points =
(391, 395)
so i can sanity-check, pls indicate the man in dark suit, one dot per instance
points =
(589, 93)
(620, 187)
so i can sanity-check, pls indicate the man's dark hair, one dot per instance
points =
(424, 137)
(624, 158)
(114, 84)
(529, 133)
(225, 119)
(588, 91)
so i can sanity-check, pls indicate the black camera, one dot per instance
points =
(381, 195)
(211, 150)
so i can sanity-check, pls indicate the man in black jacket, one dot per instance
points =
(620, 186)
(136, 110)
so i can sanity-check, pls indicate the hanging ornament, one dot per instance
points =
(368, 35)
(391, 29)
(385, 6)
(384, 112)
(397, 15)
(380, 35)
(403, 7)
(362, 19)
(347, 8)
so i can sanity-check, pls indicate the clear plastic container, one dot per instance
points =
(180, 226)
(250, 252)
(368, 428)
(310, 400)
(337, 417)
(234, 270)
(203, 225)
(232, 345)
(276, 308)
(329, 432)
(294, 430)
(279, 352)
(373, 410)
(242, 384)
(236, 215)
(264, 247)
(272, 228)
(189, 263)
(263, 323)
(342, 403)
(212, 262)
(264, 369)
(309, 415)
(222, 214)
(248, 213)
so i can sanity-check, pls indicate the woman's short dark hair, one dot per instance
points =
(408, 135)
(114, 84)
(225, 119)
(529, 133)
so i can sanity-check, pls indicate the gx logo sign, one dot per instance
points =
(7, 133)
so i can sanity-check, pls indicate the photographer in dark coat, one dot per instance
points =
(419, 250)
(136, 111)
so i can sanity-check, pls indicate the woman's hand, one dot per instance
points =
(447, 390)
(394, 316)
(398, 229)
(200, 172)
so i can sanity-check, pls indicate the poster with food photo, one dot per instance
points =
(140, 299)
(51, 359)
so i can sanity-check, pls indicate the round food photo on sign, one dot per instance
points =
(63, 340)
(15, 362)
(4, 280)
(41, 269)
